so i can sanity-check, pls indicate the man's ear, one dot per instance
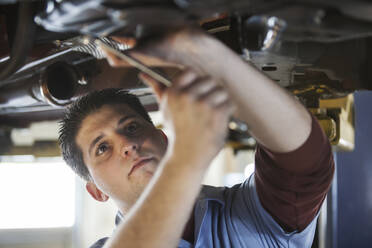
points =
(165, 137)
(95, 192)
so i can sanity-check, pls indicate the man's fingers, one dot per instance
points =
(157, 87)
(112, 59)
(219, 99)
(185, 80)
(216, 97)
(127, 41)
(200, 87)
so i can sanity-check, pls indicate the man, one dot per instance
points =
(155, 180)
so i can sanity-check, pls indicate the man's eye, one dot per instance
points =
(101, 149)
(132, 128)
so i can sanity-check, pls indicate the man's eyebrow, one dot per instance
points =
(124, 119)
(94, 142)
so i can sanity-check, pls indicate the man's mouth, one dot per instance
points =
(139, 163)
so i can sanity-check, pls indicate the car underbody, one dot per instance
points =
(318, 50)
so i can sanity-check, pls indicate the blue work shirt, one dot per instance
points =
(234, 217)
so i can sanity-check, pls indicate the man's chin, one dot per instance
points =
(148, 170)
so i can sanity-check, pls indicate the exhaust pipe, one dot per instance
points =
(56, 85)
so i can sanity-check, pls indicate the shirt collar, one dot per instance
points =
(207, 193)
(210, 193)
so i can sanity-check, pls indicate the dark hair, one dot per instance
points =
(78, 111)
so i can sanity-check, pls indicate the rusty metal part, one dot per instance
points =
(329, 127)
(336, 117)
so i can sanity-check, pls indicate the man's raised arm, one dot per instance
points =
(294, 164)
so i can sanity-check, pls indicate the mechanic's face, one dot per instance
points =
(122, 151)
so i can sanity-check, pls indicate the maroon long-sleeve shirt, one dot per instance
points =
(292, 186)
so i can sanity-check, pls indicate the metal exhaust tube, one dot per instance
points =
(58, 84)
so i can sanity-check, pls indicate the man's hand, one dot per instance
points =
(196, 110)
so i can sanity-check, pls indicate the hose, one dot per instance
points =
(23, 41)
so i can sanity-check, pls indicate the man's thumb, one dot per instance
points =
(157, 87)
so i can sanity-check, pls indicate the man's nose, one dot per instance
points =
(129, 150)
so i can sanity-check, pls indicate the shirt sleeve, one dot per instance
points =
(292, 186)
